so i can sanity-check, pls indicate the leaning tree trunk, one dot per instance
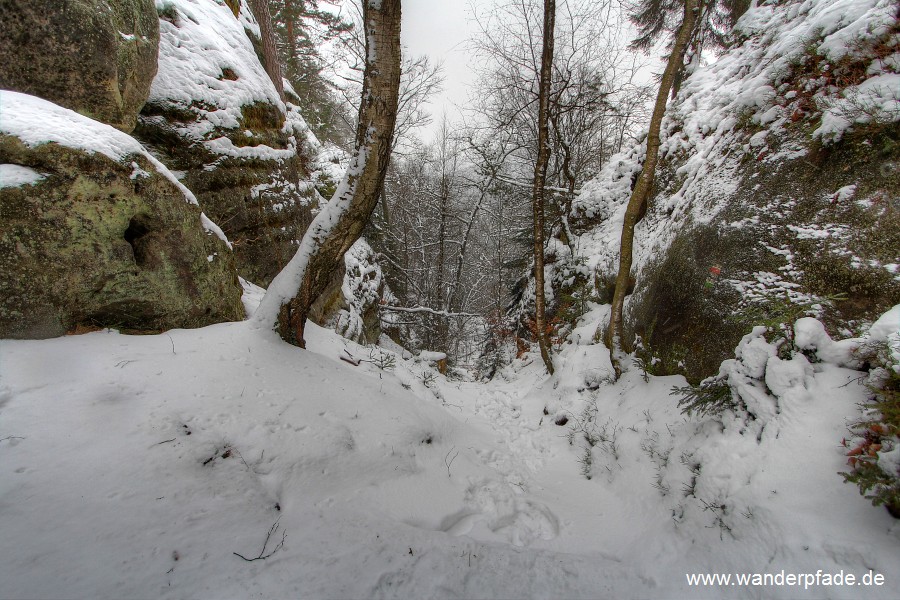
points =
(540, 174)
(641, 193)
(341, 221)
(260, 10)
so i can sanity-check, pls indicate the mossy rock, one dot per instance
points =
(214, 119)
(783, 239)
(104, 243)
(260, 203)
(96, 57)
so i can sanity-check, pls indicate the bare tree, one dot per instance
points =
(540, 174)
(701, 20)
(271, 61)
(420, 79)
(341, 221)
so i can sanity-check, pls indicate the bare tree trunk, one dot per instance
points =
(341, 221)
(290, 17)
(641, 193)
(540, 174)
(260, 10)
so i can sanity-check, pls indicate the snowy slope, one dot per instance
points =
(136, 466)
(118, 479)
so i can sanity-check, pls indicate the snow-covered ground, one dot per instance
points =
(137, 466)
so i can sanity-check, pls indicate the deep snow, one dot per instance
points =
(135, 466)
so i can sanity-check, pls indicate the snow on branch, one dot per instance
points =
(425, 309)
(549, 188)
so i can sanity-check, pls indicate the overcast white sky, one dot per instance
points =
(440, 29)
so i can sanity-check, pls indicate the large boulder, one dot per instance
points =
(94, 231)
(97, 57)
(215, 118)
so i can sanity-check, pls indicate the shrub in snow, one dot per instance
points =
(762, 375)
(874, 450)
(498, 345)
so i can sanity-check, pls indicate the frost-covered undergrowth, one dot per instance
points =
(361, 290)
(136, 466)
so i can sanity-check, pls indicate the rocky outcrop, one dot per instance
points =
(818, 234)
(97, 57)
(215, 119)
(351, 302)
(94, 231)
(778, 192)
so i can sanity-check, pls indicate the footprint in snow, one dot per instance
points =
(504, 513)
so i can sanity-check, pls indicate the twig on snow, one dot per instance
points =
(450, 462)
(349, 358)
(262, 553)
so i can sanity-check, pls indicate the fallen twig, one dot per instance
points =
(451, 459)
(349, 358)
(262, 555)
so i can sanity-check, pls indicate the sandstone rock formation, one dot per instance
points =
(215, 119)
(97, 57)
(94, 231)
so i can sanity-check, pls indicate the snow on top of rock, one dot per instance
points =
(35, 122)
(361, 289)
(207, 63)
(887, 330)
(753, 81)
(17, 176)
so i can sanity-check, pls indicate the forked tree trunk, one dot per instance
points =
(260, 10)
(340, 222)
(641, 192)
(540, 174)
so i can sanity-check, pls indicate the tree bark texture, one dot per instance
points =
(235, 6)
(271, 64)
(641, 192)
(540, 174)
(341, 221)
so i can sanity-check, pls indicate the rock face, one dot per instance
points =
(778, 192)
(818, 236)
(97, 57)
(215, 119)
(96, 232)
(351, 302)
